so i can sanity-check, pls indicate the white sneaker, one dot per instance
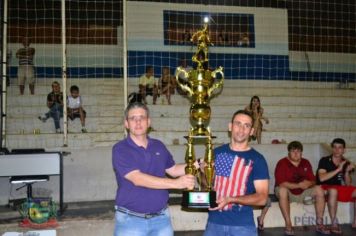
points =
(58, 131)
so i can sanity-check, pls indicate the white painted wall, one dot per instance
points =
(78, 55)
(322, 62)
(146, 32)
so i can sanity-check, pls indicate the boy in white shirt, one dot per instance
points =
(75, 108)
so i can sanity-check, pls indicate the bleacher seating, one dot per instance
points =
(312, 112)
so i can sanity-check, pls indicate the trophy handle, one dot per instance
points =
(183, 86)
(218, 84)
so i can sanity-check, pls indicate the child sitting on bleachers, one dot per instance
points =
(75, 108)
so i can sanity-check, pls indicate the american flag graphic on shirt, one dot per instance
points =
(231, 176)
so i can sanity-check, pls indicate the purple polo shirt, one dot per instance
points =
(154, 160)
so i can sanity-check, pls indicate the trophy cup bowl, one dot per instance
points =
(200, 116)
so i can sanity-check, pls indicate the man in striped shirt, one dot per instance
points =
(26, 68)
(241, 181)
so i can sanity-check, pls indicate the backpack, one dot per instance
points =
(134, 97)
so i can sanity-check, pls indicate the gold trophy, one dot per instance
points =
(200, 86)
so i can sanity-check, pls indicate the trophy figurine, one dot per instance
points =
(200, 86)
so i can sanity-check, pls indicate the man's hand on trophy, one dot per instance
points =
(222, 202)
(185, 181)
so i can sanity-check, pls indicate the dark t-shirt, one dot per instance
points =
(326, 163)
(235, 173)
(55, 98)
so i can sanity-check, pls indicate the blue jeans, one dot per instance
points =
(128, 225)
(56, 112)
(228, 230)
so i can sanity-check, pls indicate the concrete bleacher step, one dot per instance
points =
(226, 111)
(295, 92)
(276, 124)
(86, 86)
(284, 100)
(98, 99)
(182, 110)
(284, 84)
(235, 88)
(26, 125)
(76, 140)
(287, 135)
(92, 111)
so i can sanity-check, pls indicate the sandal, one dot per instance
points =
(335, 229)
(289, 231)
(260, 226)
(322, 229)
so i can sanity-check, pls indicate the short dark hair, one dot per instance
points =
(136, 105)
(243, 112)
(338, 141)
(295, 145)
(55, 83)
(74, 88)
(148, 68)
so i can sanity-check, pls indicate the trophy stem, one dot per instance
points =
(190, 158)
(209, 169)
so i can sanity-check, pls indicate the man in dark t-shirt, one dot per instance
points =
(333, 175)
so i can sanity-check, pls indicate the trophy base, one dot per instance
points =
(199, 199)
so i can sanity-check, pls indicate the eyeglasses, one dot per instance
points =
(137, 118)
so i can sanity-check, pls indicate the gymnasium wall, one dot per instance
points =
(269, 58)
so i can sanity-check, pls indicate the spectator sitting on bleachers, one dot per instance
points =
(55, 105)
(295, 182)
(167, 84)
(333, 175)
(75, 106)
(148, 85)
(256, 110)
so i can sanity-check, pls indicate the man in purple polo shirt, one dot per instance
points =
(141, 164)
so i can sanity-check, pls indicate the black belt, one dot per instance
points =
(137, 214)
